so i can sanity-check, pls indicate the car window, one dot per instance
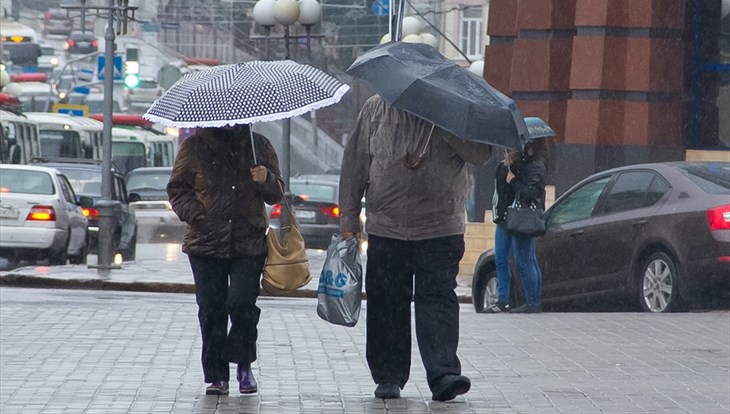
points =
(579, 204)
(84, 182)
(147, 84)
(67, 190)
(712, 178)
(119, 190)
(315, 192)
(147, 181)
(632, 190)
(26, 181)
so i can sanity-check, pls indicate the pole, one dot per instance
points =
(106, 206)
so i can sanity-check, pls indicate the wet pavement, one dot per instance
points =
(159, 267)
(87, 351)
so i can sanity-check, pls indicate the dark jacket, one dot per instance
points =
(211, 190)
(402, 203)
(504, 194)
(529, 183)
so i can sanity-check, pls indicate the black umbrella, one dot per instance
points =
(418, 79)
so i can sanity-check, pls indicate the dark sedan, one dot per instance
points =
(650, 235)
(155, 219)
(315, 207)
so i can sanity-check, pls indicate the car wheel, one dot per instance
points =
(81, 257)
(658, 284)
(59, 257)
(484, 290)
(130, 252)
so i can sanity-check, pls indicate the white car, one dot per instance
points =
(40, 216)
(145, 94)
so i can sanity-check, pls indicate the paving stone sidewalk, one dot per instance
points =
(73, 351)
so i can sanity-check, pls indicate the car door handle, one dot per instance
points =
(576, 233)
(639, 222)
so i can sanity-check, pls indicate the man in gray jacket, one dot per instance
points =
(413, 176)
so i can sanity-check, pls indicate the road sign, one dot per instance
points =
(380, 7)
(85, 74)
(118, 73)
(75, 110)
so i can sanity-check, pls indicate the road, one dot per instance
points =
(120, 352)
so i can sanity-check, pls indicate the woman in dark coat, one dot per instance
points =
(529, 187)
(216, 189)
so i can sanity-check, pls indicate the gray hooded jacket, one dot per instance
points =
(403, 203)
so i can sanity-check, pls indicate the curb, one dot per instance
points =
(15, 280)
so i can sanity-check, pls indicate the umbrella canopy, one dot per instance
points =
(537, 128)
(418, 79)
(245, 93)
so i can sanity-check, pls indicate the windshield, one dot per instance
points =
(60, 144)
(315, 192)
(148, 180)
(84, 182)
(128, 155)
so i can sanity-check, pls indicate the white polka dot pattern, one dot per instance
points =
(245, 93)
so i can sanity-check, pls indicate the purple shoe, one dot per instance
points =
(217, 388)
(246, 381)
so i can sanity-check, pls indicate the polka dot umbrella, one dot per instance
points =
(245, 93)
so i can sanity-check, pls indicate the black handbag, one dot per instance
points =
(525, 221)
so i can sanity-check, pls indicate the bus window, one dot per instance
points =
(129, 155)
(60, 144)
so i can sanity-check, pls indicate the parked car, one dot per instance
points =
(85, 177)
(81, 43)
(651, 235)
(41, 216)
(155, 219)
(56, 21)
(145, 94)
(315, 201)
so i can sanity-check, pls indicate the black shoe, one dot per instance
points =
(386, 391)
(449, 386)
(217, 388)
(498, 307)
(527, 309)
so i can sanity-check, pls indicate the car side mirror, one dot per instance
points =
(85, 201)
(134, 197)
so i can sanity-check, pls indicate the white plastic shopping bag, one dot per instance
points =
(340, 283)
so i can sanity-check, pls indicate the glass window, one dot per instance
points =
(25, 181)
(471, 31)
(579, 204)
(315, 192)
(148, 181)
(713, 178)
(67, 190)
(631, 191)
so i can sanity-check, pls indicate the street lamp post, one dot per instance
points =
(286, 12)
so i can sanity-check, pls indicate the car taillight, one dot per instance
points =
(48, 16)
(41, 213)
(95, 43)
(91, 213)
(332, 211)
(276, 211)
(718, 218)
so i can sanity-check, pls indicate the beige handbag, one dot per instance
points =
(287, 267)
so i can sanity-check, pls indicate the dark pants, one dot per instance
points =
(217, 299)
(423, 271)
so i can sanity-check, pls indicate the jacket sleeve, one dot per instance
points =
(354, 172)
(471, 152)
(270, 189)
(180, 188)
(531, 183)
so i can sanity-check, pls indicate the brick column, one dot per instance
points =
(607, 75)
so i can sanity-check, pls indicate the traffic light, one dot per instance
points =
(131, 69)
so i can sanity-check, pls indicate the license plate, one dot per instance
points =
(304, 214)
(8, 212)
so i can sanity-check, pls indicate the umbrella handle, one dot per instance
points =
(253, 148)
(414, 164)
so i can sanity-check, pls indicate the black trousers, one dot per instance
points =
(423, 271)
(217, 299)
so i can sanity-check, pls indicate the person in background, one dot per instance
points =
(218, 191)
(528, 184)
(415, 219)
(504, 196)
